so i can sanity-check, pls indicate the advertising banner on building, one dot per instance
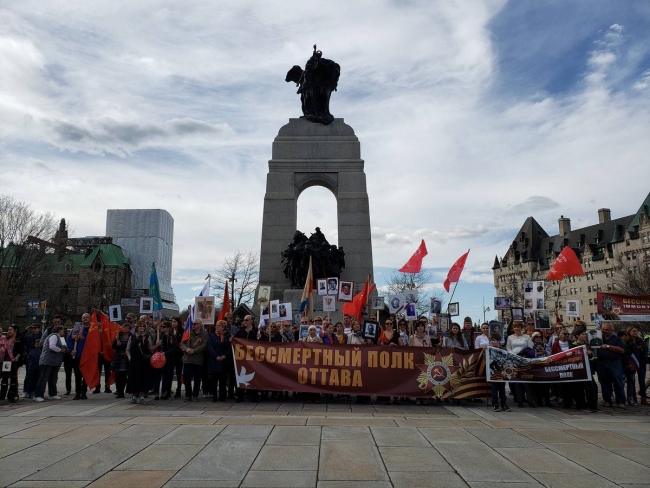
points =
(571, 365)
(360, 370)
(609, 303)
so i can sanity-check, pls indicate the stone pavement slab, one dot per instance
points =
(449, 434)
(399, 436)
(173, 444)
(286, 458)
(164, 457)
(235, 455)
(540, 461)
(294, 436)
(405, 479)
(579, 480)
(124, 479)
(350, 460)
(413, 459)
(606, 439)
(604, 463)
(191, 434)
(280, 479)
(487, 464)
(92, 462)
(497, 438)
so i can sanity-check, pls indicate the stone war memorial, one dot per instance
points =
(315, 150)
(306, 414)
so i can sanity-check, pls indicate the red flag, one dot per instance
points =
(414, 264)
(90, 353)
(109, 333)
(355, 307)
(567, 263)
(226, 304)
(454, 273)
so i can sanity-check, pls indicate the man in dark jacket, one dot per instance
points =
(247, 331)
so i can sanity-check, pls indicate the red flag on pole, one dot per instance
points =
(355, 307)
(225, 308)
(454, 273)
(109, 333)
(90, 354)
(567, 263)
(414, 264)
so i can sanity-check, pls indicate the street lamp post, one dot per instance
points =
(485, 309)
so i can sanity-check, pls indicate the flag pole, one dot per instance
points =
(452, 296)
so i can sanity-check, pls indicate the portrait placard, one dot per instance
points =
(502, 303)
(321, 286)
(378, 303)
(285, 311)
(395, 303)
(263, 293)
(264, 314)
(146, 304)
(573, 308)
(157, 316)
(345, 291)
(370, 329)
(444, 322)
(204, 309)
(517, 313)
(115, 313)
(453, 309)
(411, 311)
(275, 309)
(329, 303)
(6, 366)
(542, 319)
(435, 306)
(332, 286)
(411, 296)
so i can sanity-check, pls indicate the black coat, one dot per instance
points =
(219, 347)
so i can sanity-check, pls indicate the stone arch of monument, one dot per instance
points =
(307, 154)
(307, 180)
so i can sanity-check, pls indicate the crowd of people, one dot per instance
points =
(203, 360)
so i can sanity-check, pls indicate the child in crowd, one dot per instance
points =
(33, 370)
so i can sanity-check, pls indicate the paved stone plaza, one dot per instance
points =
(104, 442)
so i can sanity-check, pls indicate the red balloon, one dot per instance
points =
(158, 360)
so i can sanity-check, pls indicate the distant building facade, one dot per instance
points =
(603, 249)
(146, 236)
(76, 275)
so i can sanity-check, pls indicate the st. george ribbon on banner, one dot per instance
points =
(565, 366)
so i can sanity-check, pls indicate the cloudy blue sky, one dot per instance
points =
(471, 116)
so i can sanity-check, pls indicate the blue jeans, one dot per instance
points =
(192, 371)
(609, 374)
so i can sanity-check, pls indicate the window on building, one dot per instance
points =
(98, 266)
(65, 289)
(609, 287)
(591, 301)
(592, 316)
(589, 289)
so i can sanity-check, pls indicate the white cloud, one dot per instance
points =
(163, 105)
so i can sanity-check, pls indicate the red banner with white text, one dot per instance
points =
(610, 303)
(360, 370)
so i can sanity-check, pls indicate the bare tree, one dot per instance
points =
(632, 274)
(398, 283)
(242, 272)
(21, 258)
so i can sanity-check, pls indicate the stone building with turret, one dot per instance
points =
(607, 250)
